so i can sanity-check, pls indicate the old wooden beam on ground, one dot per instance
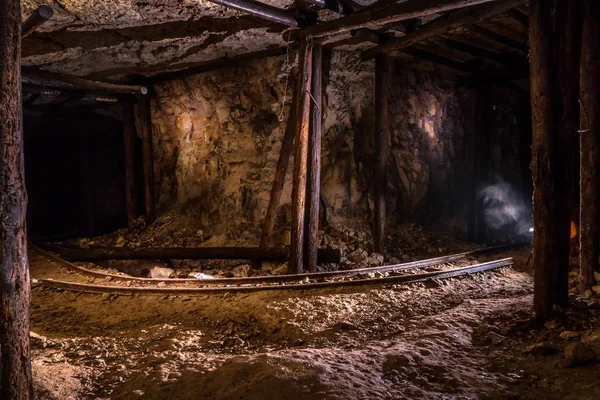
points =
(96, 253)
(287, 146)
(313, 188)
(551, 45)
(392, 13)
(129, 135)
(15, 293)
(296, 261)
(61, 81)
(443, 25)
(523, 48)
(143, 125)
(589, 233)
(383, 77)
(35, 20)
(260, 10)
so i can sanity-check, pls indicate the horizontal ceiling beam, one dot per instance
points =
(214, 65)
(261, 10)
(60, 81)
(500, 38)
(214, 29)
(392, 13)
(443, 25)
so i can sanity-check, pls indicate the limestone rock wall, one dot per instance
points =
(218, 134)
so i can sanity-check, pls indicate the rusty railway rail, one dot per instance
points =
(366, 276)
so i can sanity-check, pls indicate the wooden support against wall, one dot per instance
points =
(313, 189)
(15, 292)
(383, 74)
(296, 261)
(551, 44)
(39, 17)
(589, 233)
(287, 145)
(129, 146)
(144, 126)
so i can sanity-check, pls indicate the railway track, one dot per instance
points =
(91, 281)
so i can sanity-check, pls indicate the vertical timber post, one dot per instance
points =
(567, 47)
(313, 190)
(287, 146)
(296, 260)
(382, 136)
(551, 90)
(129, 145)
(144, 124)
(15, 292)
(589, 234)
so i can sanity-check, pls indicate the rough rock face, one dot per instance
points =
(218, 135)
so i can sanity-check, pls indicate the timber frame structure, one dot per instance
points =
(434, 31)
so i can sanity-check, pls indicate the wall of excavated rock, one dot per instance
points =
(217, 139)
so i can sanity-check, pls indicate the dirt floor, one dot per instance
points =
(468, 338)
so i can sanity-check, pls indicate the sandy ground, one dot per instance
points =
(420, 341)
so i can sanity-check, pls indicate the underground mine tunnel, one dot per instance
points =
(312, 199)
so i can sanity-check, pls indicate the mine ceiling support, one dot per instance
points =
(129, 147)
(296, 261)
(555, 51)
(313, 188)
(15, 292)
(589, 233)
(383, 75)
(144, 126)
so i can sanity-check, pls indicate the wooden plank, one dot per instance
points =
(40, 16)
(15, 292)
(129, 135)
(443, 25)
(296, 262)
(144, 127)
(385, 15)
(589, 225)
(313, 189)
(383, 77)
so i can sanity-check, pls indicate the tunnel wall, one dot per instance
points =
(217, 139)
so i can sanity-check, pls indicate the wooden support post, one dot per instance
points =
(296, 262)
(383, 75)
(589, 232)
(551, 44)
(313, 189)
(15, 292)
(287, 145)
(129, 146)
(144, 126)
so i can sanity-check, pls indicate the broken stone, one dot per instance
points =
(161, 284)
(543, 348)
(596, 289)
(569, 335)
(161, 273)
(578, 353)
(242, 271)
(200, 275)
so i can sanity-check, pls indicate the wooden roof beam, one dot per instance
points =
(519, 16)
(392, 13)
(501, 39)
(261, 10)
(61, 81)
(39, 17)
(443, 25)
